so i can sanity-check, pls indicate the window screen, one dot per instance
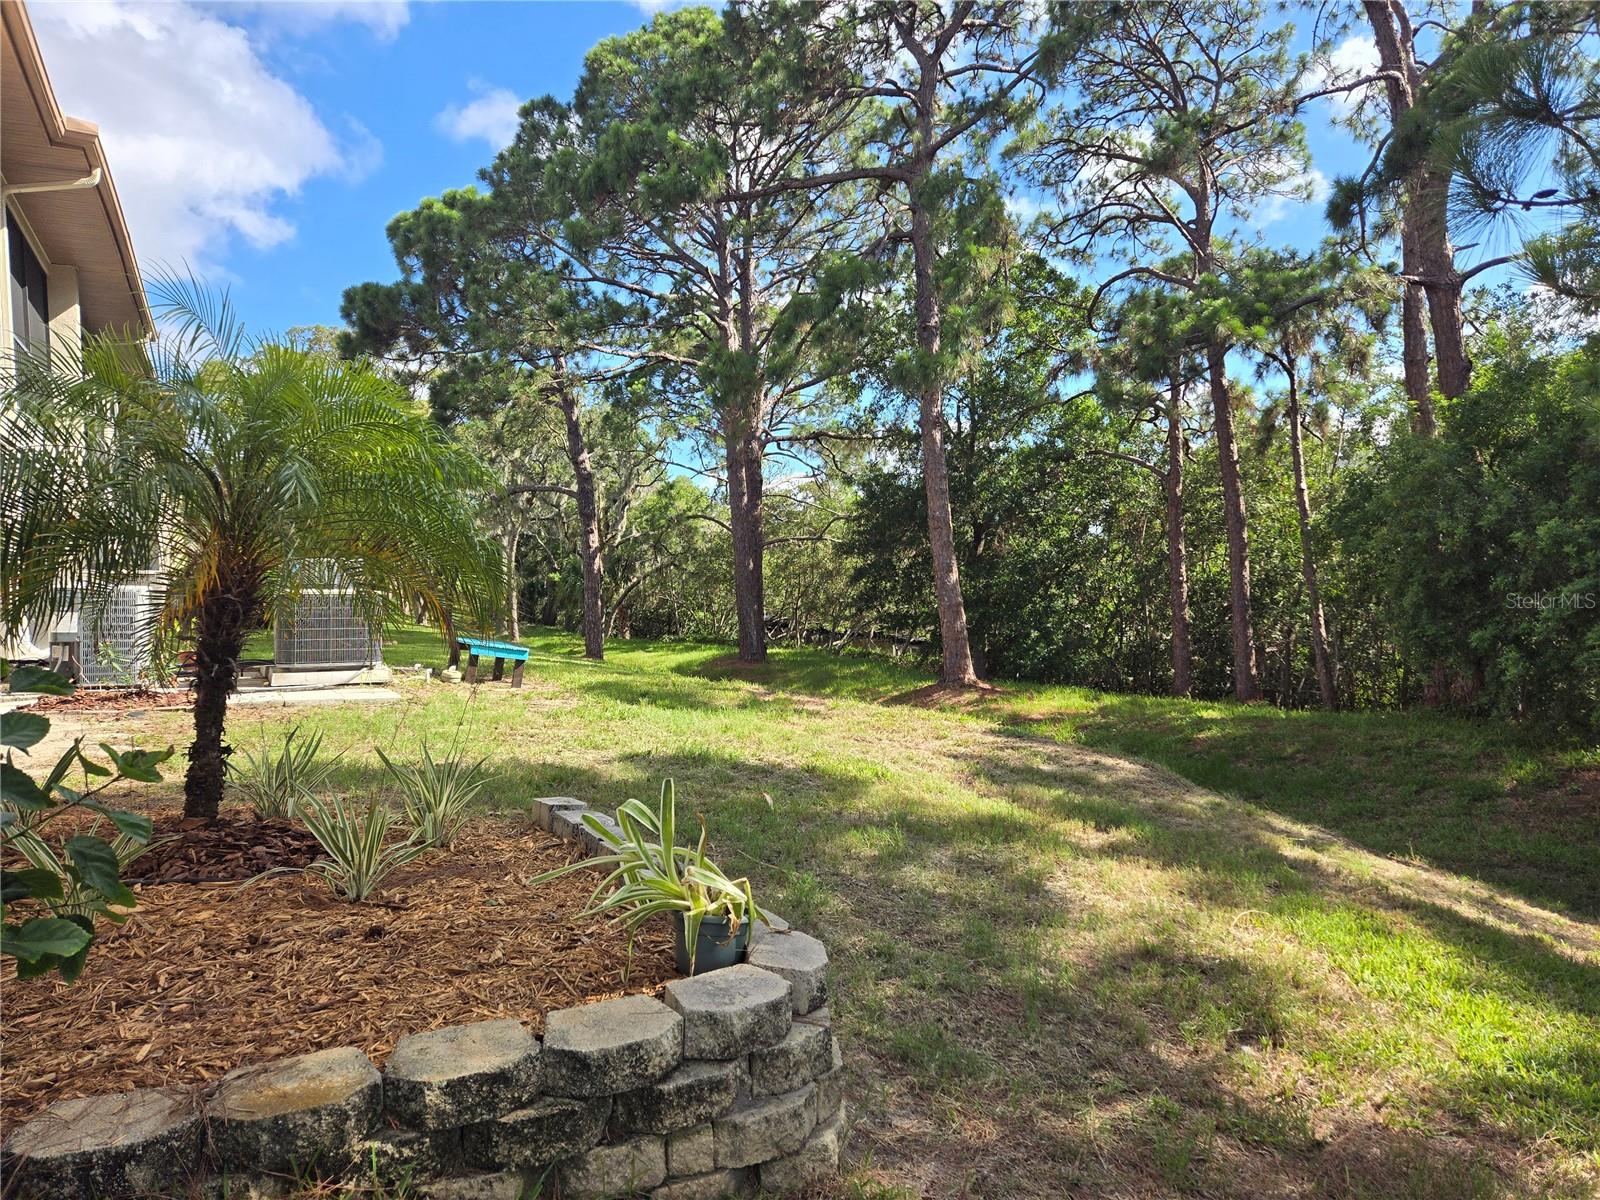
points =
(30, 303)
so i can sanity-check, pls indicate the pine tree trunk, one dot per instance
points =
(224, 618)
(594, 630)
(745, 517)
(1425, 250)
(1414, 340)
(513, 587)
(1246, 675)
(1177, 549)
(1308, 564)
(1425, 209)
(957, 668)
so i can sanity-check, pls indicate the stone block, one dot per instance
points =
(767, 1129)
(297, 1114)
(133, 1142)
(545, 808)
(246, 1185)
(814, 1163)
(732, 1011)
(610, 1046)
(830, 1086)
(537, 1135)
(805, 1053)
(695, 1092)
(770, 923)
(606, 1172)
(817, 1016)
(391, 1159)
(710, 1185)
(800, 959)
(591, 841)
(691, 1151)
(461, 1074)
(568, 822)
(500, 1185)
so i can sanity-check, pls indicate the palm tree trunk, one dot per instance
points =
(1177, 549)
(224, 618)
(1308, 564)
(594, 628)
(1246, 677)
(957, 668)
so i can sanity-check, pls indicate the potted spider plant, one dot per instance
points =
(649, 874)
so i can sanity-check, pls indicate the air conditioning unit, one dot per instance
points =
(110, 649)
(325, 640)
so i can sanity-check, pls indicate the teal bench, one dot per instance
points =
(501, 652)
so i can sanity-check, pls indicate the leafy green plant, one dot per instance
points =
(79, 880)
(275, 784)
(650, 875)
(437, 793)
(360, 857)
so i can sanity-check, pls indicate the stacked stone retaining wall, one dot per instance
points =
(730, 1084)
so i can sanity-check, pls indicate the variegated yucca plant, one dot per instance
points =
(649, 874)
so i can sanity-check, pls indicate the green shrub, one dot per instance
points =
(64, 888)
(276, 784)
(438, 793)
(354, 839)
(650, 875)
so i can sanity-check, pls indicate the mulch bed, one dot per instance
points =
(115, 700)
(206, 977)
(232, 850)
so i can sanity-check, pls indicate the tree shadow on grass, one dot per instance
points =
(1120, 1072)
(1402, 784)
(1229, 857)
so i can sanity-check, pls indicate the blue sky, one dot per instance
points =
(267, 143)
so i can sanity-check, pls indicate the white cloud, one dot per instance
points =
(203, 139)
(1024, 208)
(385, 18)
(1310, 186)
(490, 115)
(1349, 60)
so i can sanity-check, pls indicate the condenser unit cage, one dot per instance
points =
(324, 630)
(110, 649)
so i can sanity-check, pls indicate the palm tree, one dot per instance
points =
(246, 471)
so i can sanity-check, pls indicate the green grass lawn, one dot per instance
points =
(1109, 946)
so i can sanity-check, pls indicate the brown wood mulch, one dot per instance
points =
(238, 847)
(206, 977)
(114, 700)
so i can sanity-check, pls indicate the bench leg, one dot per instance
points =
(499, 670)
(455, 656)
(516, 674)
(472, 668)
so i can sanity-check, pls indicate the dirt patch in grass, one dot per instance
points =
(1572, 801)
(206, 977)
(940, 695)
(730, 666)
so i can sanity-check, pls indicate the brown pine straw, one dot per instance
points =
(207, 977)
